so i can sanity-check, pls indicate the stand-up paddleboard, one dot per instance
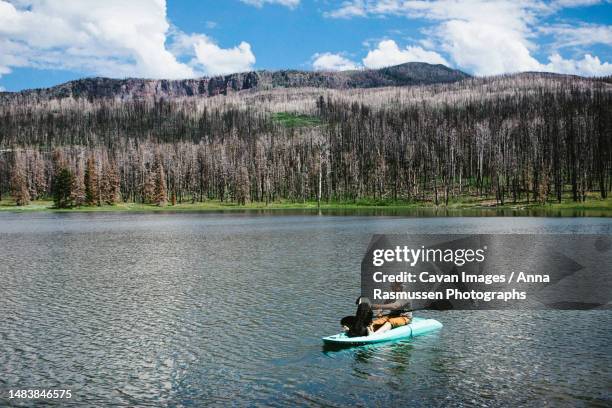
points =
(417, 327)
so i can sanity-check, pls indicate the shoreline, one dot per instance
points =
(602, 207)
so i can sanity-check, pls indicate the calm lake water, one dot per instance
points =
(228, 309)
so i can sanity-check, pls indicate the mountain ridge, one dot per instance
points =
(411, 73)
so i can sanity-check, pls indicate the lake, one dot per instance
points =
(228, 309)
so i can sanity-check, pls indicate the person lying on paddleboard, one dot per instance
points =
(399, 315)
(363, 324)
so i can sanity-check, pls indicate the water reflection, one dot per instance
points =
(229, 309)
(422, 212)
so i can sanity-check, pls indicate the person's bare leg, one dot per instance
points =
(383, 328)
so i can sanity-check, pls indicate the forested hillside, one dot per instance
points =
(525, 137)
(411, 73)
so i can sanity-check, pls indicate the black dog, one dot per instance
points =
(358, 324)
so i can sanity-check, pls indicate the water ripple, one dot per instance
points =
(194, 309)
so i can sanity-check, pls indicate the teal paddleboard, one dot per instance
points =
(418, 327)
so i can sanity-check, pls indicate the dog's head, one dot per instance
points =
(363, 299)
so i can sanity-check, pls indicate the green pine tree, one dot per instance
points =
(92, 189)
(62, 188)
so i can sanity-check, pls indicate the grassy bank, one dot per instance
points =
(591, 204)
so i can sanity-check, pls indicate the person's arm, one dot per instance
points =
(388, 306)
(399, 304)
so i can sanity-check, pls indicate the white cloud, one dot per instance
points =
(261, 3)
(348, 9)
(576, 3)
(332, 62)
(487, 37)
(436, 9)
(571, 36)
(4, 70)
(112, 38)
(486, 49)
(588, 66)
(388, 53)
(216, 60)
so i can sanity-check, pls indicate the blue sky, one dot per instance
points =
(46, 42)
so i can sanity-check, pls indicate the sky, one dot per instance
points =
(47, 42)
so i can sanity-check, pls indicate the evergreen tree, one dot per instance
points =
(62, 188)
(109, 184)
(518, 137)
(148, 189)
(92, 189)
